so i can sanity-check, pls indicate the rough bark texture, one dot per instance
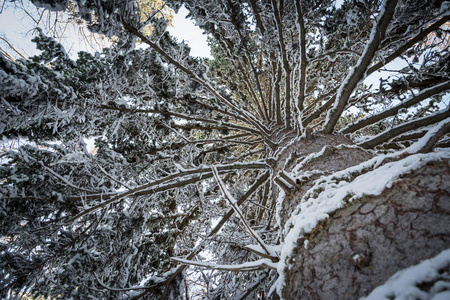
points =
(314, 143)
(360, 246)
(338, 155)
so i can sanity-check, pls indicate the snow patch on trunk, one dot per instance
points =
(332, 192)
(405, 283)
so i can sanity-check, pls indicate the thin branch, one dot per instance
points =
(303, 58)
(248, 153)
(277, 89)
(427, 93)
(357, 73)
(254, 187)
(264, 199)
(158, 186)
(228, 45)
(179, 115)
(233, 202)
(12, 47)
(112, 178)
(218, 226)
(237, 136)
(334, 52)
(257, 16)
(393, 132)
(409, 44)
(64, 179)
(315, 114)
(213, 108)
(245, 267)
(311, 105)
(197, 127)
(286, 66)
(123, 289)
(193, 76)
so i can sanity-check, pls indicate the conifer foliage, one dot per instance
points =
(196, 160)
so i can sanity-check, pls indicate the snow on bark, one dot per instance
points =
(365, 242)
(406, 283)
(332, 192)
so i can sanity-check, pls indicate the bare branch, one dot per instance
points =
(303, 61)
(286, 66)
(254, 187)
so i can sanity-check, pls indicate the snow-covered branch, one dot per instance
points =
(244, 267)
(414, 124)
(234, 203)
(357, 74)
(424, 94)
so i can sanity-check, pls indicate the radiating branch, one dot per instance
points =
(303, 58)
(193, 76)
(245, 267)
(163, 184)
(425, 94)
(181, 116)
(426, 143)
(414, 124)
(357, 74)
(286, 65)
(233, 202)
(419, 37)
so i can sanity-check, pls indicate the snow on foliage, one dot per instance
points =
(194, 160)
(52, 5)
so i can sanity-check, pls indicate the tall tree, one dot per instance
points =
(206, 174)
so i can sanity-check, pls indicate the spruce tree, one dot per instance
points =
(209, 174)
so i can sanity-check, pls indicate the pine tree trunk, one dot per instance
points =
(361, 245)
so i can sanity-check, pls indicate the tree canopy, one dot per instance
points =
(188, 192)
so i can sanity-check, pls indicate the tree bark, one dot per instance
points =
(360, 246)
